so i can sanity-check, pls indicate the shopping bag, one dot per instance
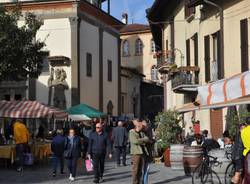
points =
(28, 159)
(89, 165)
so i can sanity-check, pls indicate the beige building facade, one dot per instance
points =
(76, 36)
(206, 41)
(138, 64)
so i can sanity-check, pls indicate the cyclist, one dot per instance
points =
(237, 155)
(245, 136)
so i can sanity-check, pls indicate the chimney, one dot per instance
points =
(125, 18)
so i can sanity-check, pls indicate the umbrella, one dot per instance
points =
(83, 109)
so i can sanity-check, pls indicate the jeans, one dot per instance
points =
(137, 161)
(19, 154)
(58, 160)
(120, 150)
(98, 164)
(72, 165)
(145, 172)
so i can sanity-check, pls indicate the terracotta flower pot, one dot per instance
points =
(167, 157)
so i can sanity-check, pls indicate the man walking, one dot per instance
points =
(138, 140)
(58, 147)
(120, 138)
(99, 144)
(21, 136)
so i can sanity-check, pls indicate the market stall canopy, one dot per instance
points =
(85, 110)
(29, 109)
(239, 101)
(79, 117)
(225, 90)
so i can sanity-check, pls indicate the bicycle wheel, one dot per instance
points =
(229, 173)
(213, 178)
(199, 175)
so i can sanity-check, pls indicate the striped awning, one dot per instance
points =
(29, 109)
(225, 90)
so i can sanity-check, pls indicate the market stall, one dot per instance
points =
(30, 112)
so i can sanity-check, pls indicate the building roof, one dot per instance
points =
(135, 28)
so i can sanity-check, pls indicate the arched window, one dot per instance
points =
(153, 46)
(154, 73)
(125, 48)
(138, 47)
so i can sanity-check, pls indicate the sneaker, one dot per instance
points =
(20, 169)
(96, 181)
(54, 174)
(72, 179)
(62, 172)
(101, 180)
(124, 164)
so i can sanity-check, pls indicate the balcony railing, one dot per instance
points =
(185, 81)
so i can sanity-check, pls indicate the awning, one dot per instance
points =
(79, 117)
(239, 101)
(29, 109)
(225, 90)
(83, 109)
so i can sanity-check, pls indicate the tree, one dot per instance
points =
(21, 56)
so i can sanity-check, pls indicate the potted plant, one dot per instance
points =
(167, 132)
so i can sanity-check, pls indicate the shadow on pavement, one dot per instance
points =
(178, 178)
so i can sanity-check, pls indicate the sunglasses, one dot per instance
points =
(98, 127)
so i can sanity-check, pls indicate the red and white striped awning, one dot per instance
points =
(29, 109)
(225, 90)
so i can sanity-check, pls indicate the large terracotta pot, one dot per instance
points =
(166, 155)
(176, 157)
(192, 157)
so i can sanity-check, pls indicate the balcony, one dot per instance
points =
(165, 61)
(185, 80)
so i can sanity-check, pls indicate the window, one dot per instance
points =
(109, 70)
(89, 64)
(153, 46)
(189, 11)
(125, 48)
(45, 63)
(154, 73)
(188, 52)
(207, 57)
(244, 44)
(138, 47)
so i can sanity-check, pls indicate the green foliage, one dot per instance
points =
(235, 119)
(168, 128)
(20, 54)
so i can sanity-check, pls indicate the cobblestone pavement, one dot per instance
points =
(122, 175)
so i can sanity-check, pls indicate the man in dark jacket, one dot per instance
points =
(120, 139)
(57, 147)
(99, 144)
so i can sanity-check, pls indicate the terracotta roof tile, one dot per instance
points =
(134, 28)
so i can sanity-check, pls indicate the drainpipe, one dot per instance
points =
(221, 33)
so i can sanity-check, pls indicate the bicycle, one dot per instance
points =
(204, 173)
(230, 170)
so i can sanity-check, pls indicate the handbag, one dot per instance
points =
(89, 165)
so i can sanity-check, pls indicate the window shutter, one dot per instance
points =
(196, 58)
(207, 58)
(109, 70)
(244, 44)
(89, 65)
(220, 65)
(188, 52)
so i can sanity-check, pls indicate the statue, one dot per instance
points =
(60, 85)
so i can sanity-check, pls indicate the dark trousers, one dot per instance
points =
(120, 151)
(137, 161)
(98, 163)
(19, 154)
(72, 165)
(58, 160)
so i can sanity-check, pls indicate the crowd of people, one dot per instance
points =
(98, 142)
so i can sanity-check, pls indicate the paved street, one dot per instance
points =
(158, 175)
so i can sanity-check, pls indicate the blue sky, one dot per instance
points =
(134, 8)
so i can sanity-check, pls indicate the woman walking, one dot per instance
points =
(72, 152)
